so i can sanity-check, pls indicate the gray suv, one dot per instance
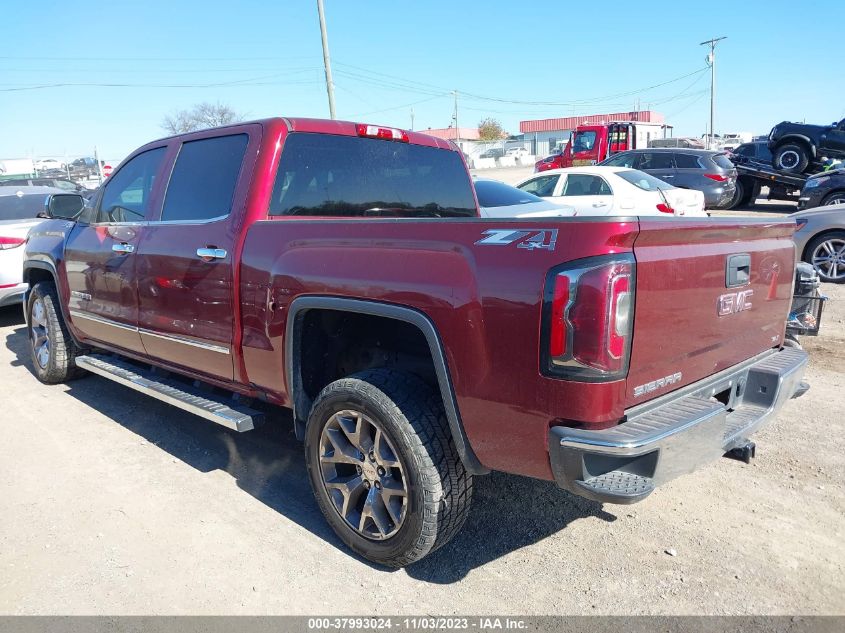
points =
(710, 172)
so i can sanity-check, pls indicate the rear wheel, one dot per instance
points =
(52, 348)
(791, 158)
(384, 468)
(827, 255)
(742, 195)
(837, 197)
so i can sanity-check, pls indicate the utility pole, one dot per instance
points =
(327, 62)
(412, 119)
(711, 60)
(457, 132)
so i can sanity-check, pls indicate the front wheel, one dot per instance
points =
(827, 255)
(834, 198)
(52, 348)
(384, 468)
(791, 158)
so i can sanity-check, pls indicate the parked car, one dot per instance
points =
(19, 208)
(820, 240)
(799, 146)
(495, 152)
(756, 151)
(85, 167)
(826, 188)
(709, 172)
(516, 152)
(341, 270)
(604, 190)
(49, 164)
(498, 200)
(58, 183)
(552, 161)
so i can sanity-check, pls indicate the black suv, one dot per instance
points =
(796, 146)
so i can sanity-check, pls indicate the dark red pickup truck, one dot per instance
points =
(342, 271)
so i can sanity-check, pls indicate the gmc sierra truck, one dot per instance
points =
(341, 270)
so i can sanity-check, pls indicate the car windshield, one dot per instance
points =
(497, 194)
(584, 141)
(25, 207)
(332, 175)
(644, 181)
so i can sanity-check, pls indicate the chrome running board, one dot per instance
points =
(222, 411)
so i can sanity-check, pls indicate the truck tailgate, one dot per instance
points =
(690, 320)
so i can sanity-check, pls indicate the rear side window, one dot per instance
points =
(585, 185)
(25, 207)
(203, 181)
(497, 194)
(126, 197)
(723, 161)
(687, 161)
(347, 176)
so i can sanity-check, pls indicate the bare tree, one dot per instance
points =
(199, 117)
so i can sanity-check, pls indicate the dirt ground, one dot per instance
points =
(111, 503)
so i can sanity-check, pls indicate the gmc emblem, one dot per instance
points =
(734, 302)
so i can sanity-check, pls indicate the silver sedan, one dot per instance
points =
(820, 240)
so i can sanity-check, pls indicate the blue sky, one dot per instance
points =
(387, 55)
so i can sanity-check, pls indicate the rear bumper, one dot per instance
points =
(719, 197)
(677, 433)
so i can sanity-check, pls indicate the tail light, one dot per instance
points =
(11, 242)
(588, 315)
(665, 208)
(716, 177)
(385, 133)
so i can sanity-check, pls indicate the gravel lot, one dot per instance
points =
(112, 503)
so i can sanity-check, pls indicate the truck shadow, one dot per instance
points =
(508, 512)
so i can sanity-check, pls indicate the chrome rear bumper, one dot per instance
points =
(677, 433)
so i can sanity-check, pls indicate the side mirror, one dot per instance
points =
(65, 206)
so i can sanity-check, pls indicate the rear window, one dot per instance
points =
(24, 207)
(644, 181)
(723, 161)
(497, 194)
(687, 161)
(344, 176)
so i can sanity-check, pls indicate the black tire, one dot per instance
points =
(824, 269)
(742, 195)
(58, 363)
(791, 158)
(837, 197)
(411, 416)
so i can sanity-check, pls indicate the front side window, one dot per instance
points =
(584, 141)
(544, 186)
(655, 160)
(203, 182)
(126, 196)
(626, 159)
(586, 185)
(345, 176)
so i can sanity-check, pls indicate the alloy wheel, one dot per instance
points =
(39, 336)
(829, 258)
(836, 200)
(362, 475)
(789, 159)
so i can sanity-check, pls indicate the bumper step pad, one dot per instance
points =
(222, 410)
(621, 486)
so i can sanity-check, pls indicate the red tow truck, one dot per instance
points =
(591, 144)
(342, 271)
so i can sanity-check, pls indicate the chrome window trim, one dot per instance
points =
(79, 314)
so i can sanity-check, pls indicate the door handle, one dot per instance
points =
(599, 204)
(123, 248)
(208, 254)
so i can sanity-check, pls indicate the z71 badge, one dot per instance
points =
(531, 239)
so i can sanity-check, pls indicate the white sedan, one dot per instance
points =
(49, 163)
(19, 207)
(602, 190)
